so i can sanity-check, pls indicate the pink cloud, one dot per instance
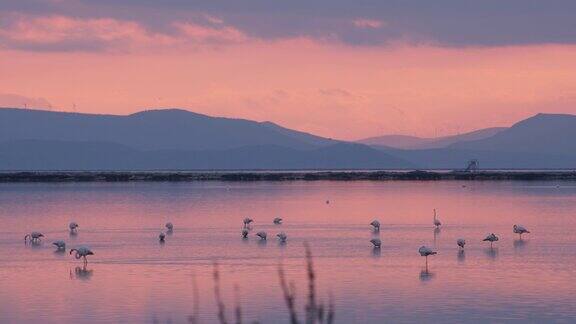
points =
(63, 33)
(204, 34)
(68, 33)
(368, 23)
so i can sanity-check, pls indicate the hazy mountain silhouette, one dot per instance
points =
(451, 158)
(60, 155)
(543, 134)
(169, 139)
(413, 142)
(541, 141)
(178, 140)
(151, 130)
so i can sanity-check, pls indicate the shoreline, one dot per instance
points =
(240, 176)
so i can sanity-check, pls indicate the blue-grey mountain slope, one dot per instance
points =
(413, 142)
(151, 130)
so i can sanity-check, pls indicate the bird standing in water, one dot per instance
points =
(437, 222)
(73, 226)
(262, 235)
(60, 245)
(247, 221)
(425, 252)
(282, 237)
(519, 229)
(34, 237)
(461, 242)
(376, 224)
(491, 238)
(82, 252)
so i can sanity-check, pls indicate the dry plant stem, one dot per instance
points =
(219, 302)
(193, 319)
(289, 295)
(330, 317)
(238, 310)
(311, 307)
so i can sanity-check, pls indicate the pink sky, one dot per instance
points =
(318, 85)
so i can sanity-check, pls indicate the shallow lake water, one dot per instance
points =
(134, 279)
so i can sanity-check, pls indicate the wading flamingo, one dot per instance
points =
(282, 237)
(425, 252)
(437, 222)
(519, 229)
(491, 238)
(376, 224)
(34, 237)
(82, 252)
(60, 245)
(262, 235)
(73, 226)
(461, 242)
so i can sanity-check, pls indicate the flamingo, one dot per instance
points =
(437, 222)
(262, 235)
(425, 252)
(247, 221)
(162, 237)
(245, 233)
(277, 220)
(82, 252)
(282, 237)
(376, 224)
(34, 237)
(519, 229)
(60, 245)
(491, 238)
(376, 242)
(461, 242)
(169, 227)
(73, 226)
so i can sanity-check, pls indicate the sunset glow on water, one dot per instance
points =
(132, 278)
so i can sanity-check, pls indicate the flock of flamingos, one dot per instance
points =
(82, 252)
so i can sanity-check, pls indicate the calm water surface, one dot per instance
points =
(132, 278)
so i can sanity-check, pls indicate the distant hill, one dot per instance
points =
(60, 155)
(176, 139)
(413, 142)
(543, 134)
(169, 139)
(151, 130)
(452, 158)
(544, 141)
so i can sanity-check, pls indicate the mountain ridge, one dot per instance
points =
(414, 142)
(177, 139)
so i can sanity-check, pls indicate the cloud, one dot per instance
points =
(368, 23)
(455, 23)
(215, 35)
(63, 33)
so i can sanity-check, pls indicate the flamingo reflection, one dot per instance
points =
(82, 273)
